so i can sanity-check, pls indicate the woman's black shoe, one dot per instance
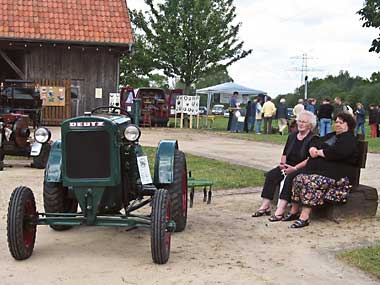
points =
(300, 224)
(262, 212)
(291, 217)
(276, 218)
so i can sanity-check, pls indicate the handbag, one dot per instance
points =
(339, 193)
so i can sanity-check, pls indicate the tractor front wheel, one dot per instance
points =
(178, 191)
(21, 223)
(160, 236)
(57, 200)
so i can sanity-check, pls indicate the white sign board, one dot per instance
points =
(98, 93)
(143, 165)
(187, 104)
(114, 99)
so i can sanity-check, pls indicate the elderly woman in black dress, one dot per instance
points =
(328, 172)
(293, 159)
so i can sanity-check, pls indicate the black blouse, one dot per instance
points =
(295, 150)
(340, 156)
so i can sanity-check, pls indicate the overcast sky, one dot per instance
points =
(280, 31)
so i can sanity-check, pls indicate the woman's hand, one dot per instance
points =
(282, 165)
(313, 151)
(289, 169)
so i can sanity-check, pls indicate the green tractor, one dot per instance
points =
(100, 165)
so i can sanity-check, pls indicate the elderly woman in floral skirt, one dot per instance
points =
(328, 172)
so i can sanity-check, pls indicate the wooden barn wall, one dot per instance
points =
(97, 69)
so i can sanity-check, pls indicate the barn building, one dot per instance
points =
(76, 44)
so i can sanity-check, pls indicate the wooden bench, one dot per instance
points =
(192, 183)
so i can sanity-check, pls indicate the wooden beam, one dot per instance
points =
(12, 64)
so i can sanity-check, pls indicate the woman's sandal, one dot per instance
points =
(291, 217)
(276, 218)
(262, 212)
(300, 224)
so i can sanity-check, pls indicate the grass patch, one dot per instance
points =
(367, 259)
(224, 175)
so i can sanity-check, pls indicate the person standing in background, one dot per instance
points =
(258, 116)
(282, 116)
(372, 120)
(312, 106)
(252, 118)
(298, 109)
(360, 118)
(269, 110)
(233, 106)
(324, 116)
(339, 107)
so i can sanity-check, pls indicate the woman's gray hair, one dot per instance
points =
(312, 118)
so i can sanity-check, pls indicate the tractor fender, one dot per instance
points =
(164, 164)
(53, 171)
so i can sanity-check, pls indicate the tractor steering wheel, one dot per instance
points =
(114, 108)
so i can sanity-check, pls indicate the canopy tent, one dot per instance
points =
(227, 88)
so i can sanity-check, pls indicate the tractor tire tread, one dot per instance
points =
(14, 223)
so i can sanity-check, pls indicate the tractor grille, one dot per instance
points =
(88, 154)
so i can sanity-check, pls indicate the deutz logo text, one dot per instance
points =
(86, 124)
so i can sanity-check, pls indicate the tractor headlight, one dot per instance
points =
(42, 135)
(132, 133)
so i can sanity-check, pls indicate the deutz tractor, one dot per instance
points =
(100, 165)
(20, 105)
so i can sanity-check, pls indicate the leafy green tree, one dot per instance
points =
(136, 69)
(375, 77)
(191, 38)
(370, 14)
(210, 79)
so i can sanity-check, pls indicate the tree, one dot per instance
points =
(137, 69)
(370, 14)
(191, 38)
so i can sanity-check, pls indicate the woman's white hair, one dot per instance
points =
(312, 118)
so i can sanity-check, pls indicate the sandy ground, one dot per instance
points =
(221, 245)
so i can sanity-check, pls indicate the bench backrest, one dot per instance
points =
(362, 147)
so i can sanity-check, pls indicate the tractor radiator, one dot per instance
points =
(88, 154)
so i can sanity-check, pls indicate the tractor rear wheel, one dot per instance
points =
(21, 225)
(178, 191)
(57, 200)
(160, 236)
(40, 161)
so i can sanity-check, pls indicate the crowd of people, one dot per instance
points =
(259, 115)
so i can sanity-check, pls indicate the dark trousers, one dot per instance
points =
(231, 113)
(267, 125)
(273, 179)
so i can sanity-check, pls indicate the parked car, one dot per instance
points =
(290, 113)
(226, 114)
(217, 110)
(202, 110)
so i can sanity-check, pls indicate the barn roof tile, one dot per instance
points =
(90, 21)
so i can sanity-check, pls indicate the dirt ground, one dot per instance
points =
(222, 244)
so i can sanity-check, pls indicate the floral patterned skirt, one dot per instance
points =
(314, 190)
